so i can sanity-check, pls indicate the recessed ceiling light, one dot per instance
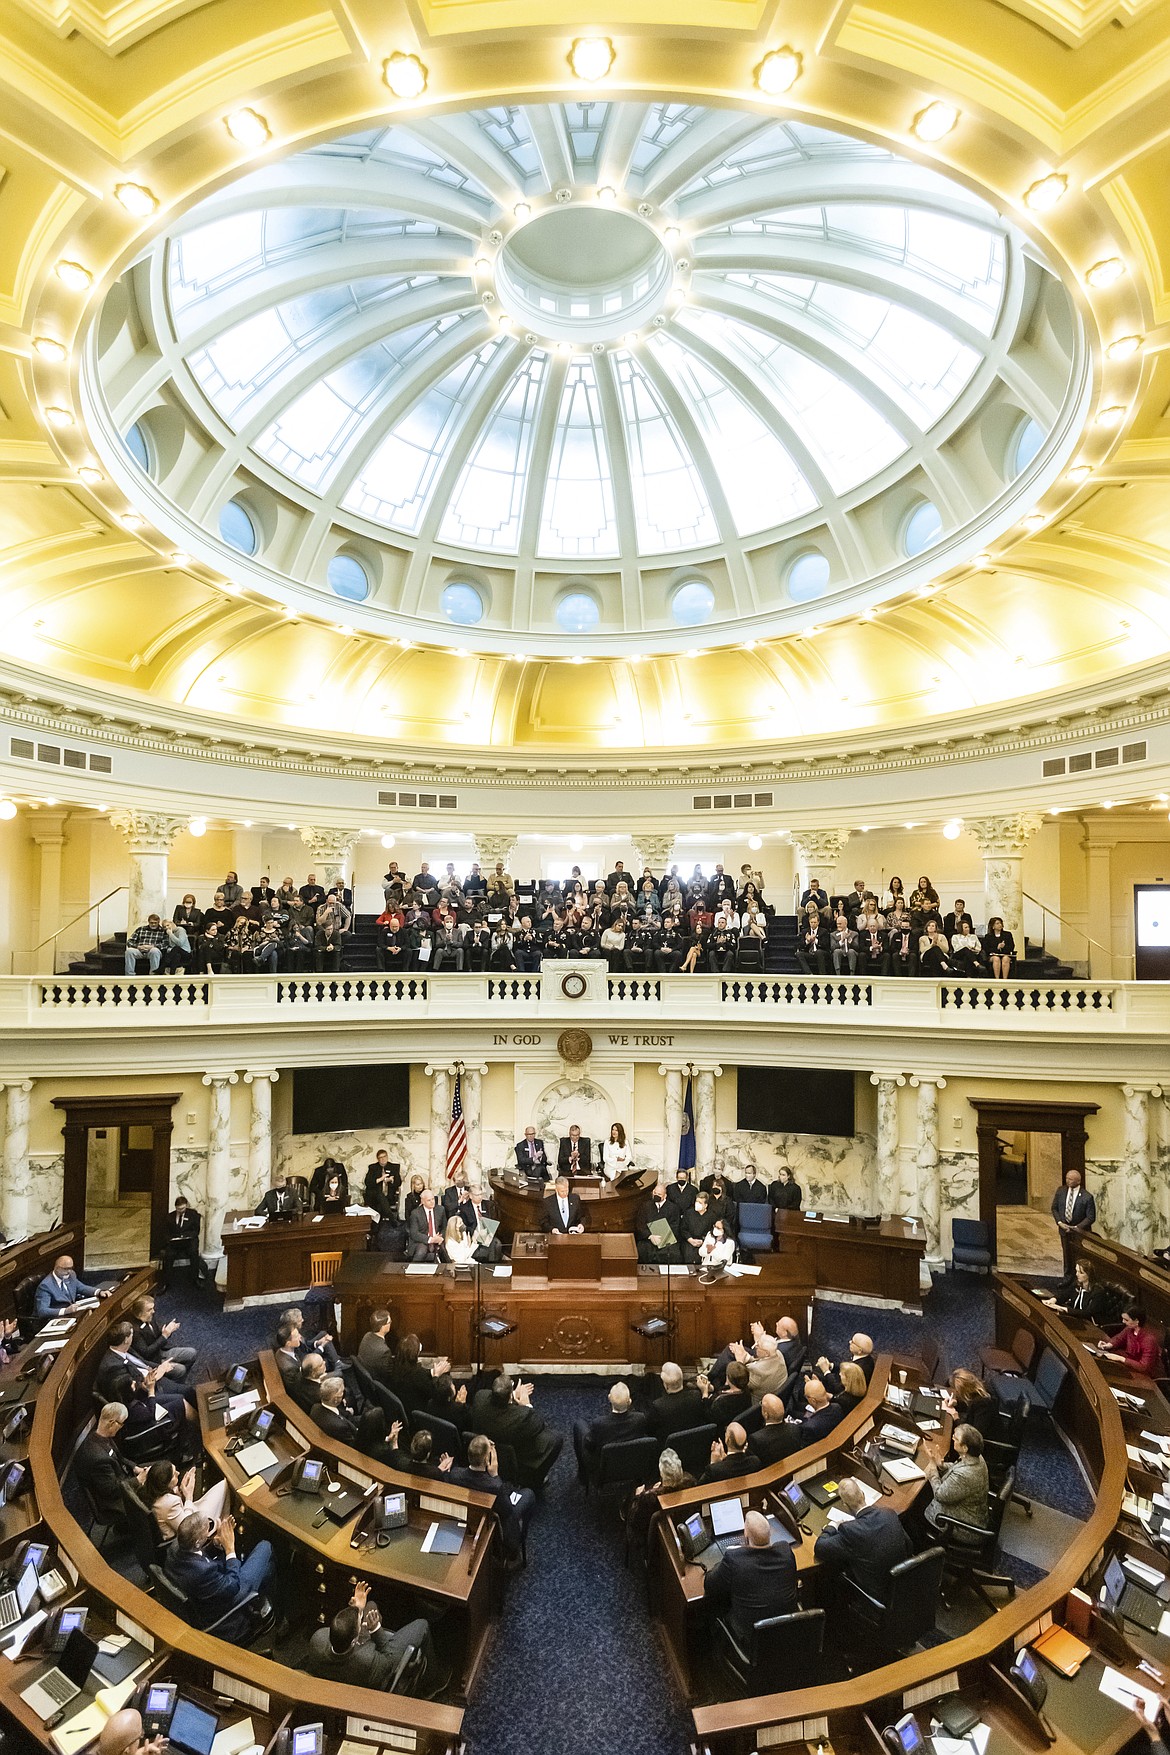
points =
(522, 210)
(1080, 472)
(482, 264)
(90, 475)
(1111, 417)
(982, 561)
(387, 842)
(74, 275)
(953, 829)
(138, 201)
(577, 658)
(592, 57)
(779, 71)
(59, 418)
(247, 127)
(1105, 272)
(755, 842)
(607, 195)
(404, 75)
(1034, 521)
(180, 558)
(133, 520)
(197, 827)
(344, 628)
(50, 348)
(1124, 347)
(1043, 195)
(1106, 804)
(935, 121)
(671, 233)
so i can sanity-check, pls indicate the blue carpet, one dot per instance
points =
(575, 1663)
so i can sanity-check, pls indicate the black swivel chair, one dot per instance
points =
(783, 1645)
(261, 1614)
(446, 1438)
(24, 1295)
(752, 1419)
(693, 1447)
(628, 1463)
(378, 1395)
(908, 1614)
(970, 1550)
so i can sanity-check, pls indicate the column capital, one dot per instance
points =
(221, 1078)
(433, 1069)
(24, 1085)
(695, 1069)
(917, 1079)
(887, 1078)
(819, 847)
(654, 851)
(1004, 836)
(1140, 1088)
(330, 846)
(251, 1077)
(665, 1068)
(148, 831)
(493, 850)
(45, 827)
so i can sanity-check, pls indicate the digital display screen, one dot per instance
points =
(158, 1700)
(193, 1729)
(910, 1736)
(71, 1618)
(26, 1588)
(727, 1517)
(1114, 1583)
(307, 1740)
(1153, 916)
(1026, 1664)
(696, 1533)
(263, 1422)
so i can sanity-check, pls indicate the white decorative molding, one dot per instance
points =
(1006, 836)
(148, 831)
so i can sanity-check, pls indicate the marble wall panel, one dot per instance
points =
(43, 1190)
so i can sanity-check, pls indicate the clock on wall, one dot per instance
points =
(574, 984)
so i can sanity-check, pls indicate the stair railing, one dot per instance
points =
(1091, 943)
(94, 908)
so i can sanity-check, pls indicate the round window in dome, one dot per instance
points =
(923, 527)
(808, 576)
(348, 578)
(578, 612)
(135, 442)
(1026, 441)
(461, 603)
(692, 603)
(237, 527)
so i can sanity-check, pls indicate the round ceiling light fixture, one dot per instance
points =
(936, 121)
(779, 71)
(591, 58)
(404, 75)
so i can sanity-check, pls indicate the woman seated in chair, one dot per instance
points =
(640, 1508)
(1080, 1295)
(972, 1402)
(716, 1249)
(170, 1496)
(1136, 1343)
(459, 1246)
(960, 1487)
(334, 1196)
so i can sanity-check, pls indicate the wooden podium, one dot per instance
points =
(595, 1258)
(574, 1258)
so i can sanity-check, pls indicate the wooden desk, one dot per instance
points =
(879, 1261)
(562, 1321)
(1146, 1279)
(36, 1255)
(194, 1657)
(277, 1257)
(595, 1258)
(608, 1207)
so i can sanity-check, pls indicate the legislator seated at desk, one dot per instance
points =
(100, 1468)
(755, 1582)
(337, 1417)
(860, 1354)
(728, 1403)
(563, 1210)
(204, 1565)
(822, 1412)
(868, 1546)
(281, 1202)
(60, 1290)
(573, 1153)
(622, 1423)
(730, 1457)
(357, 1650)
(504, 1414)
(513, 1505)
(1080, 1295)
(152, 1340)
(531, 1156)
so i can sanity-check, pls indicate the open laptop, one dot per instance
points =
(64, 1682)
(1122, 1597)
(192, 1728)
(14, 1603)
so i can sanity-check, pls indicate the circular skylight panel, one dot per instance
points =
(135, 442)
(1026, 442)
(238, 528)
(808, 576)
(691, 604)
(461, 603)
(348, 578)
(923, 528)
(578, 612)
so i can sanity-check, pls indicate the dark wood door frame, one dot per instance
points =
(1025, 1115)
(84, 1113)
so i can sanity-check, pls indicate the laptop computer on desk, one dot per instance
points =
(1121, 1596)
(14, 1603)
(706, 1543)
(53, 1691)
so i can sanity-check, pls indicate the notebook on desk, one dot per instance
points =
(1062, 1649)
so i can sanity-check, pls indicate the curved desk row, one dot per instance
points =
(845, 1712)
(36, 1255)
(63, 1405)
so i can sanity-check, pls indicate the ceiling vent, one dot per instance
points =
(732, 801)
(420, 800)
(1086, 760)
(54, 756)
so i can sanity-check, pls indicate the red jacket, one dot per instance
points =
(1141, 1348)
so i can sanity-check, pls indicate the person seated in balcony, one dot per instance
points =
(232, 889)
(240, 939)
(502, 956)
(843, 946)
(210, 951)
(449, 938)
(694, 949)
(477, 946)
(951, 921)
(812, 941)
(288, 894)
(934, 951)
(500, 883)
(641, 943)
(147, 944)
(671, 946)
(672, 897)
(924, 903)
(189, 916)
(613, 943)
(722, 941)
(894, 894)
(584, 940)
(720, 888)
(852, 900)
(999, 948)
(901, 941)
(648, 903)
(178, 953)
(327, 945)
(268, 948)
(872, 946)
(816, 894)
(966, 950)
(527, 946)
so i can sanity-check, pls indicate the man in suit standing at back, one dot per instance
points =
(531, 1157)
(1074, 1210)
(563, 1210)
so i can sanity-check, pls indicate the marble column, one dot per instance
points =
(17, 1191)
(1097, 945)
(259, 1134)
(926, 1161)
(493, 850)
(219, 1156)
(473, 1119)
(654, 853)
(440, 1077)
(889, 1184)
(1160, 1157)
(331, 850)
(150, 836)
(672, 1117)
(818, 854)
(705, 1120)
(47, 830)
(1001, 842)
(1142, 1224)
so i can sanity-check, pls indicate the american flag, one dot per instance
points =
(457, 1136)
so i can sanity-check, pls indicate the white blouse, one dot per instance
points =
(716, 1253)
(616, 1159)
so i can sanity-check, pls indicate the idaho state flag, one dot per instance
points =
(686, 1143)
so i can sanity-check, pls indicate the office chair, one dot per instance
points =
(1001, 1448)
(377, 1393)
(97, 1519)
(1013, 1362)
(24, 1295)
(630, 1462)
(754, 1226)
(969, 1549)
(908, 1614)
(260, 1610)
(146, 1538)
(782, 1645)
(924, 1361)
(446, 1438)
(693, 1447)
(970, 1246)
(751, 1420)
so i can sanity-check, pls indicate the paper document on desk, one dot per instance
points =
(665, 1267)
(836, 1517)
(1158, 1438)
(901, 1469)
(254, 1458)
(743, 1269)
(60, 1325)
(503, 1273)
(422, 1267)
(51, 1347)
(87, 1724)
(1128, 1694)
(233, 1738)
(253, 1222)
(242, 1404)
(871, 1495)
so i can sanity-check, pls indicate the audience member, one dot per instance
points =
(754, 1582)
(504, 1413)
(730, 1456)
(677, 1407)
(357, 1651)
(867, 1546)
(959, 1488)
(204, 1565)
(622, 1423)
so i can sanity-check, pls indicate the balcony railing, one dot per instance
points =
(1113, 1008)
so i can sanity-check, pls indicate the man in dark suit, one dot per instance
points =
(374, 1350)
(816, 894)
(338, 1419)
(720, 889)
(338, 1654)
(283, 1201)
(573, 1153)
(120, 1368)
(205, 1566)
(861, 1354)
(867, 1548)
(504, 1413)
(677, 1408)
(657, 1209)
(755, 1582)
(60, 1290)
(767, 1441)
(618, 875)
(424, 1231)
(1074, 1210)
(820, 1416)
(383, 1185)
(727, 1404)
(623, 1422)
(305, 1387)
(531, 1156)
(182, 1242)
(788, 1344)
(730, 1457)
(152, 1340)
(562, 1210)
(473, 1210)
(100, 1468)
(514, 1505)
(750, 1187)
